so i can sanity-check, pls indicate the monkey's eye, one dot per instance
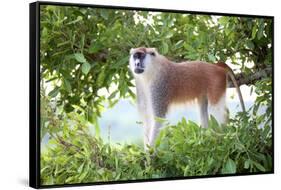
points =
(152, 53)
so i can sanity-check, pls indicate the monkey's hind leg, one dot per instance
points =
(219, 111)
(203, 108)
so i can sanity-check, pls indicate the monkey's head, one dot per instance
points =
(141, 59)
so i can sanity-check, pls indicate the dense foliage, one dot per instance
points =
(75, 155)
(84, 51)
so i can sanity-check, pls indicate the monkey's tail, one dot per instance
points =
(232, 77)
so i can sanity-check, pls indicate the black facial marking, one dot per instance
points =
(138, 70)
(139, 62)
(139, 55)
(152, 53)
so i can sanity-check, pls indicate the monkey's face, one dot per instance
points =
(141, 59)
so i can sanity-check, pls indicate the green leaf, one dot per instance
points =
(78, 108)
(101, 77)
(95, 47)
(185, 171)
(79, 170)
(116, 163)
(229, 167)
(259, 166)
(86, 68)
(80, 57)
(78, 19)
(179, 44)
(165, 48)
(82, 42)
(101, 171)
(122, 62)
(212, 58)
(97, 130)
(113, 94)
(254, 31)
(169, 35)
(83, 175)
(67, 85)
(69, 179)
(54, 92)
(250, 44)
(247, 164)
(213, 122)
(104, 14)
(261, 29)
(160, 138)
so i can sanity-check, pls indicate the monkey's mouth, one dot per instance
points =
(138, 70)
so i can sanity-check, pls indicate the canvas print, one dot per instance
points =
(130, 94)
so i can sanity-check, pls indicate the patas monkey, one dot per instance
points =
(161, 83)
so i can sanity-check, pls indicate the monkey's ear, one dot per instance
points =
(132, 50)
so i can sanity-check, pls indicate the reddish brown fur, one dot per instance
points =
(194, 80)
(223, 65)
(144, 50)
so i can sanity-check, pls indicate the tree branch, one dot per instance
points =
(242, 78)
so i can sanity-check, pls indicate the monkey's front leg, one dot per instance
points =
(147, 118)
(148, 122)
(159, 107)
(144, 111)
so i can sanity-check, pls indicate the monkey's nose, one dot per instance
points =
(138, 70)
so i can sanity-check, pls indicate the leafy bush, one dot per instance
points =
(75, 155)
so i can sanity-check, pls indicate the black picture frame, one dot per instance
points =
(34, 91)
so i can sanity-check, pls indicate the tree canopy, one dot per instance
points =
(84, 49)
